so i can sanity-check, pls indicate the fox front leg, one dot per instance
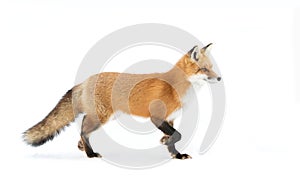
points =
(164, 139)
(174, 136)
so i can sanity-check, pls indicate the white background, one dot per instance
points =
(43, 43)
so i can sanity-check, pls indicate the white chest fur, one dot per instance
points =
(197, 82)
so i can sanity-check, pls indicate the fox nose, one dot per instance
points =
(219, 78)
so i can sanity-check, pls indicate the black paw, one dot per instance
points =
(181, 156)
(92, 155)
(80, 145)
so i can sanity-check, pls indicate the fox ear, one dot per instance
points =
(194, 53)
(206, 48)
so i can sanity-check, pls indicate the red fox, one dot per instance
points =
(156, 96)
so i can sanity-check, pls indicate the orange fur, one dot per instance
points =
(154, 95)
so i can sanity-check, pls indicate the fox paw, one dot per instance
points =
(181, 156)
(164, 139)
(92, 155)
(80, 145)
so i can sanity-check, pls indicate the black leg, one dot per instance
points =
(173, 137)
(88, 126)
(176, 154)
(172, 149)
(164, 139)
(88, 149)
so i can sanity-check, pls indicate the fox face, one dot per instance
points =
(197, 66)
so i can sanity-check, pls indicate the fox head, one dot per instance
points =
(197, 66)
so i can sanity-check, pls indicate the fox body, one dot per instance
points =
(156, 96)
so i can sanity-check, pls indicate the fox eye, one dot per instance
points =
(204, 69)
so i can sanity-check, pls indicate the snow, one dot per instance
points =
(41, 47)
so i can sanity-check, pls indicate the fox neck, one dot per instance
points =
(178, 80)
(181, 82)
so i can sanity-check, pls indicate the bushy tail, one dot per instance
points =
(51, 125)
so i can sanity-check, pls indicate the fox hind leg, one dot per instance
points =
(80, 145)
(88, 126)
(88, 149)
